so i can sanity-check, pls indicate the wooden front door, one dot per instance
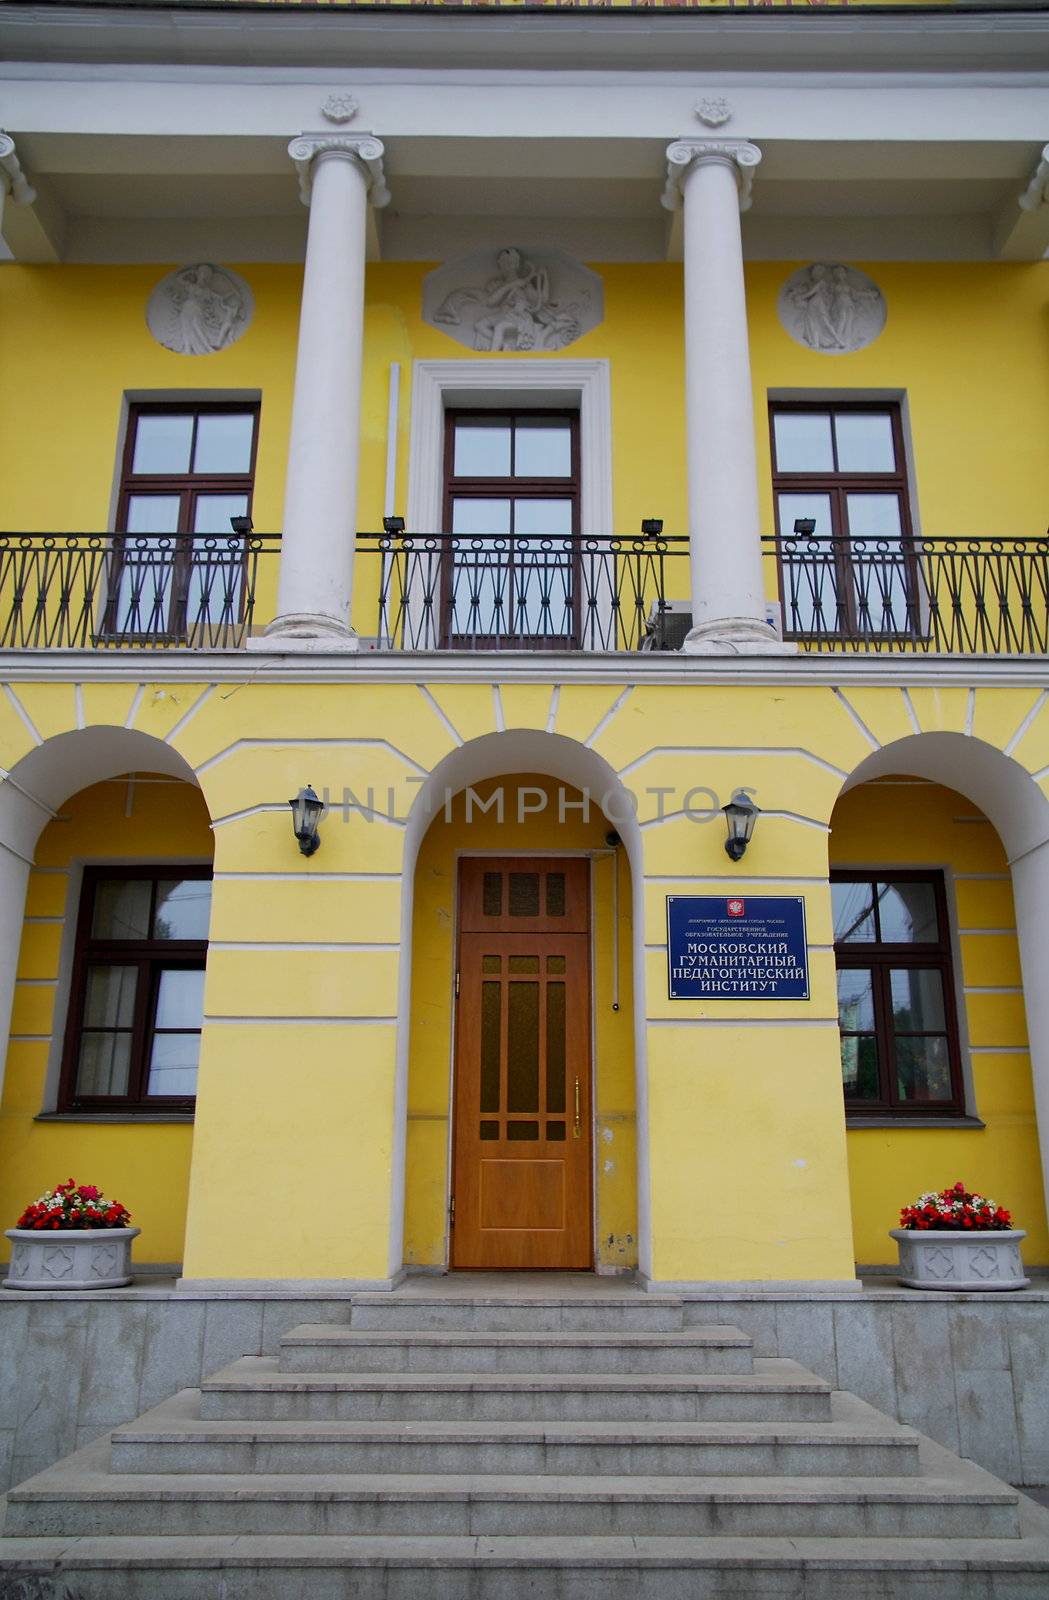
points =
(522, 1155)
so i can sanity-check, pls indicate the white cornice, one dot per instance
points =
(271, 666)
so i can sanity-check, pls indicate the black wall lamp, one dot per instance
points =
(393, 524)
(805, 526)
(740, 816)
(306, 811)
(652, 527)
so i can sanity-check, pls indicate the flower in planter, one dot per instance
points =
(69, 1205)
(955, 1208)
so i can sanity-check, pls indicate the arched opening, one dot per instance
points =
(524, 798)
(105, 853)
(938, 866)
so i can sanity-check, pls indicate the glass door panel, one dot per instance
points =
(881, 590)
(214, 583)
(146, 566)
(812, 601)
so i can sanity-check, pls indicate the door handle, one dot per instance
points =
(577, 1131)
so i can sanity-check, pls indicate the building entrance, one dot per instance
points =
(522, 1129)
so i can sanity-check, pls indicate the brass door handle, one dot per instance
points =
(577, 1131)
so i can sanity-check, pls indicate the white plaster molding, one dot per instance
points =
(15, 181)
(363, 148)
(438, 383)
(339, 108)
(1037, 192)
(715, 111)
(739, 154)
(199, 309)
(832, 309)
(513, 299)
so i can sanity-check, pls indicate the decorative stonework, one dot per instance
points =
(947, 1259)
(684, 153)
(832, 308)
(715, 112)
(86, 1258)
(199, 309)
(364, 148)
(339, 108)
(513, 299)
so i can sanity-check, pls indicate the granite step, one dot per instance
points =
(325, 1347)
(256, 1567)
(857, 1442)
(606, 1312)
(254, 1388)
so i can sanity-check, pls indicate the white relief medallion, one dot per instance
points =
(832, 308)
(339, 108)
(199, 309)
(715, 112)
(512, 299)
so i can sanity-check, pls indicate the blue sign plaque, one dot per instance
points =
(737, 947)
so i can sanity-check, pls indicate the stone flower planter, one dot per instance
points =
(70, 1258)
(944, 1258)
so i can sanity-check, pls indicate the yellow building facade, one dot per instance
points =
(505, 686)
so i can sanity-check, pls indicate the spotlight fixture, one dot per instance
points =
(806, 526)
(241, 524)
(740, 816)
(652, 527)
(306, 811)
(393, 524)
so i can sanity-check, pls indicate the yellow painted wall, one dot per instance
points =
(953, 330)
(889, 1167)
(433, 965)
(145, 1165)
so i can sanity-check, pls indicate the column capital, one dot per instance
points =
(364, 149)
(684, 154)
(1037, 192)
(12, 178)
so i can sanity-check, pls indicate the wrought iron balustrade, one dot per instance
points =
(501, 592)
(129, 590)
(949, 596)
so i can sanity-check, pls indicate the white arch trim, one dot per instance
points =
(503, 755)
(1012, 801)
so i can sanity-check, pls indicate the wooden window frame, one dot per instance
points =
(837, 486)
(151, 957)
(188, 486)
(881, 958)
(511, 488)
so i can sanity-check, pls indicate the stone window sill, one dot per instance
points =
(114, 1116)
(851, 1123)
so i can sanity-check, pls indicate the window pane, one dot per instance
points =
(798, 504)
(212, 512)
(550, 519)
(162, 443)
(489, 1130)
(173, 1064)
(907, 913)
(859, 1066)
(153, 513)
(917, 1000)
(493, 896)
(523, 964)
(491, 995)
(853, 913)
(812, 603)
(542, 448)
(482, 448)
(923, 1069)
(524, 894)
(224, 442)
(555, 898)
(865, 441)
(183, 908)
(522, 1130)
(110, 998)
(556, 1054)
(522, 1057)
(803, 442)
(874, 516)
(555, 1131)
(855, 999)
(121, 909)
(491, 963)
(180, 999)
(104, 1063)
(480, 516)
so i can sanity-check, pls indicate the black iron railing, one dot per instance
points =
(490, 592)
(961, 596)
(110, 591)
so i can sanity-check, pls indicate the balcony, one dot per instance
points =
(444, 592)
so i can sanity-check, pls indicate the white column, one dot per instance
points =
(338, 175)
(711, 179)
(1031, 899)
(13, 180)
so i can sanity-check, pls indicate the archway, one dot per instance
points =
(543, 757)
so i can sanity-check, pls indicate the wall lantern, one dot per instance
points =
(306, 811)
(740, 816)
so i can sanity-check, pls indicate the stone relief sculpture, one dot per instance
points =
(539, 301)
(832, 308)
(199, 309)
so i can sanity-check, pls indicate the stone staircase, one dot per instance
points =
(442, 1447)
